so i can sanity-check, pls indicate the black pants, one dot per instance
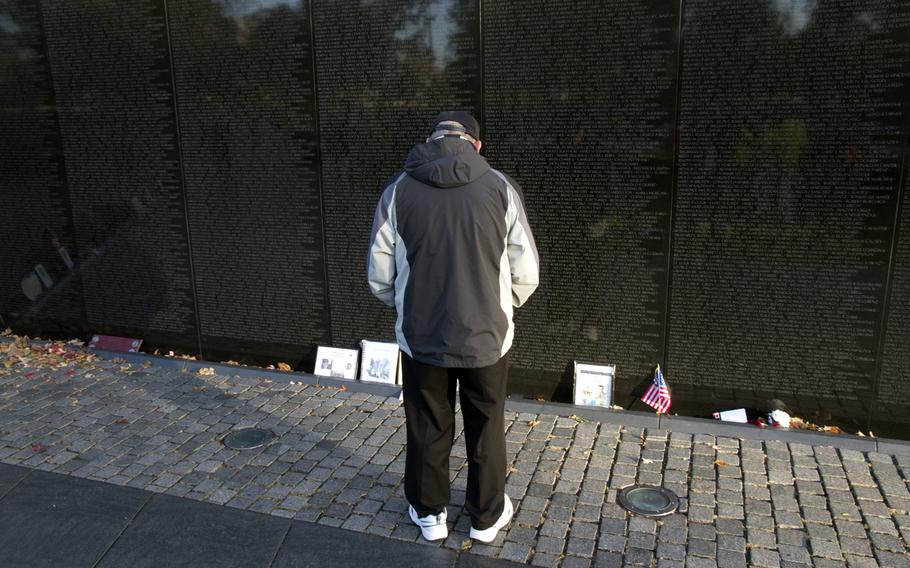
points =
(429, 404)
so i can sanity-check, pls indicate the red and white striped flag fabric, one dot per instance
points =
(658, 394)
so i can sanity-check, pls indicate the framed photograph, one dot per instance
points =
(594, 384)
(379, 362)
(336, 363)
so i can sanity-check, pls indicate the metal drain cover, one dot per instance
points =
(248, 438)
(649, 501)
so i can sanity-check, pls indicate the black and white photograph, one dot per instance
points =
(379, 362)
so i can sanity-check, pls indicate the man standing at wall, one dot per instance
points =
(452, 251)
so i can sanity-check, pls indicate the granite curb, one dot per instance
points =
(683, 424)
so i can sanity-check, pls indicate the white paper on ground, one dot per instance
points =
(736, 415)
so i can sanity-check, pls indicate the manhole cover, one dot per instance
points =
(649, 501)
(248, 438)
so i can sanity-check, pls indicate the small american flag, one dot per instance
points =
(658, 394)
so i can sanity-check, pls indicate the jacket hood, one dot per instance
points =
(446, 162)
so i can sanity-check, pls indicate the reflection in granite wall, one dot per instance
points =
(789, 155)
(38, 286)
(591, 143)
(894, 380)
(384, 69)
(110, 65)
(243, 74)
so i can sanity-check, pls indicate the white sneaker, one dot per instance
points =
(487, 535)
(432, 527)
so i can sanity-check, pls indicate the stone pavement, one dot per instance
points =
(339, 461)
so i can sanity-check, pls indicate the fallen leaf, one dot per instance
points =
(284, 367)
(721, 463)
(38, 448)
(122, 421)
(534, 423)
(206, 372)
(465, 545)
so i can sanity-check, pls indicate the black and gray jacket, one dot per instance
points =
(453, 252)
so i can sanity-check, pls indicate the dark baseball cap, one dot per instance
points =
(466, 119)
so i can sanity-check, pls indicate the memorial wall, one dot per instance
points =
(716, 186)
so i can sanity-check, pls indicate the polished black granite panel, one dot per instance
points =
(112, 79)
(35, 222)
(245, 93)
(384, 70)
(579, 109)
(790, 130)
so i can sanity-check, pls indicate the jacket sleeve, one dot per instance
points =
(381, 270)
(524, 261)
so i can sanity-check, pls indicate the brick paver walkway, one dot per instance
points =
(339, 460)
